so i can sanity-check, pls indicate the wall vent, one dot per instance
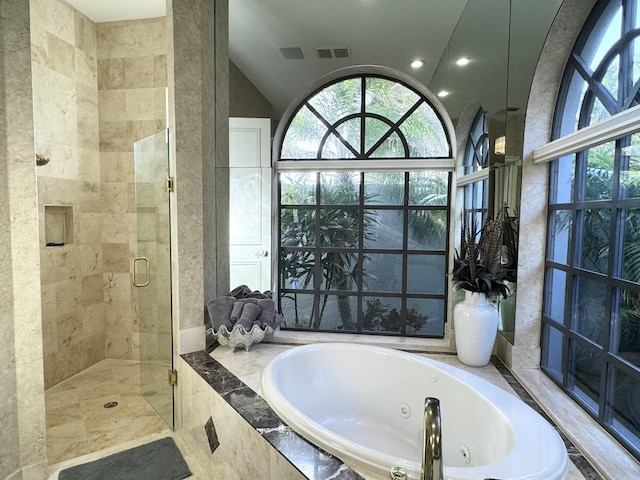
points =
(333, 52)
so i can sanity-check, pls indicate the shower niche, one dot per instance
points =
(58, 225)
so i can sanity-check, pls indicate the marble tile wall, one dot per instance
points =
(97, 89)
(132, 80)
(22, 449)
(65, 105)
(197, 79)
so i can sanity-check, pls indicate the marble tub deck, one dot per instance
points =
(237, 376)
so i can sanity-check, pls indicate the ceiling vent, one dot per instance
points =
(292, 53)
(333, 52)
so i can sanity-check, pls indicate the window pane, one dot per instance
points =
(555, 291)
(383, 273)
(627, 343)
(336, 148)
(584, 374)
(350, 131)
(600, 175)
(389, 99)
(339, 228)
(298, 188)
(589, 318)
(297, 227)
(338, 312)
(340, 188)
(388, 232)
(564, 174)
(340, 271)
(390, 148)
(384, 188)
(374, 130)
(303, 136)
(425, 133)
(426, 274)
(381, 314)
(428, 188)
(552, 351)
(610, 78)
(598, 112)
(297, 310)
(594, 241)
(338, 100)
(624, 406)
(297, 270)
(425, 316)
(631, 246)
(560, 223)
(427, 229)
(605, 33)
(630, 167)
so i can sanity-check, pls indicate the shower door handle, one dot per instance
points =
(134, 281)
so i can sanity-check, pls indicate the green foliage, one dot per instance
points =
(380, 317)
(339, 228)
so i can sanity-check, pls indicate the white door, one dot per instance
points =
(250, 202)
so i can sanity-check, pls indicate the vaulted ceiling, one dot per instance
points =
(282, 46)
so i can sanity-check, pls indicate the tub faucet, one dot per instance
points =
(432, 467)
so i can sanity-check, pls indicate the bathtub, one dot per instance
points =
(364, 404)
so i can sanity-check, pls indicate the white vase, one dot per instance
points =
(476, 326)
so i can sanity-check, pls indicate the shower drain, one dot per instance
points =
(110, 404)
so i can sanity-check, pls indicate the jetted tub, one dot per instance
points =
(365, 404)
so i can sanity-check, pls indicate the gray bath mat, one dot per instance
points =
(158, 460)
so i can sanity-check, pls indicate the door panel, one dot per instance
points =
(151, 272)
(250, 203)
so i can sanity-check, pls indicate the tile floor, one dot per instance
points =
(81, 429)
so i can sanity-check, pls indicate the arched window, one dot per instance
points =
(363, 168)
(476, 159)
(591, 308)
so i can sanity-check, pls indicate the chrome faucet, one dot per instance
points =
(432, 467)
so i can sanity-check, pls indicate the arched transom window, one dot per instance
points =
(364, 166)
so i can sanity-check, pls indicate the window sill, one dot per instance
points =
(291, 337)
(606, 455)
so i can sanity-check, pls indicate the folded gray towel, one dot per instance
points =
(249, 315)
(267, 312)
(220, 312)
(236, 312)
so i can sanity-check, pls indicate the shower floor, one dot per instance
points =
(80, 428)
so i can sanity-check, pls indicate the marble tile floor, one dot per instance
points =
(81, 429)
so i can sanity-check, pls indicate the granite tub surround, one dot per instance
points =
(237, 376)
(252, 442)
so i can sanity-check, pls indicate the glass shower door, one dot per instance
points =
(151, 272)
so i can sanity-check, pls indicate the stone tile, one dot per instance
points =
(116, 257)
(85, 35)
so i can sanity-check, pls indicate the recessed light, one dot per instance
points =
(443, 93)
(417, 63)
(462, 61)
